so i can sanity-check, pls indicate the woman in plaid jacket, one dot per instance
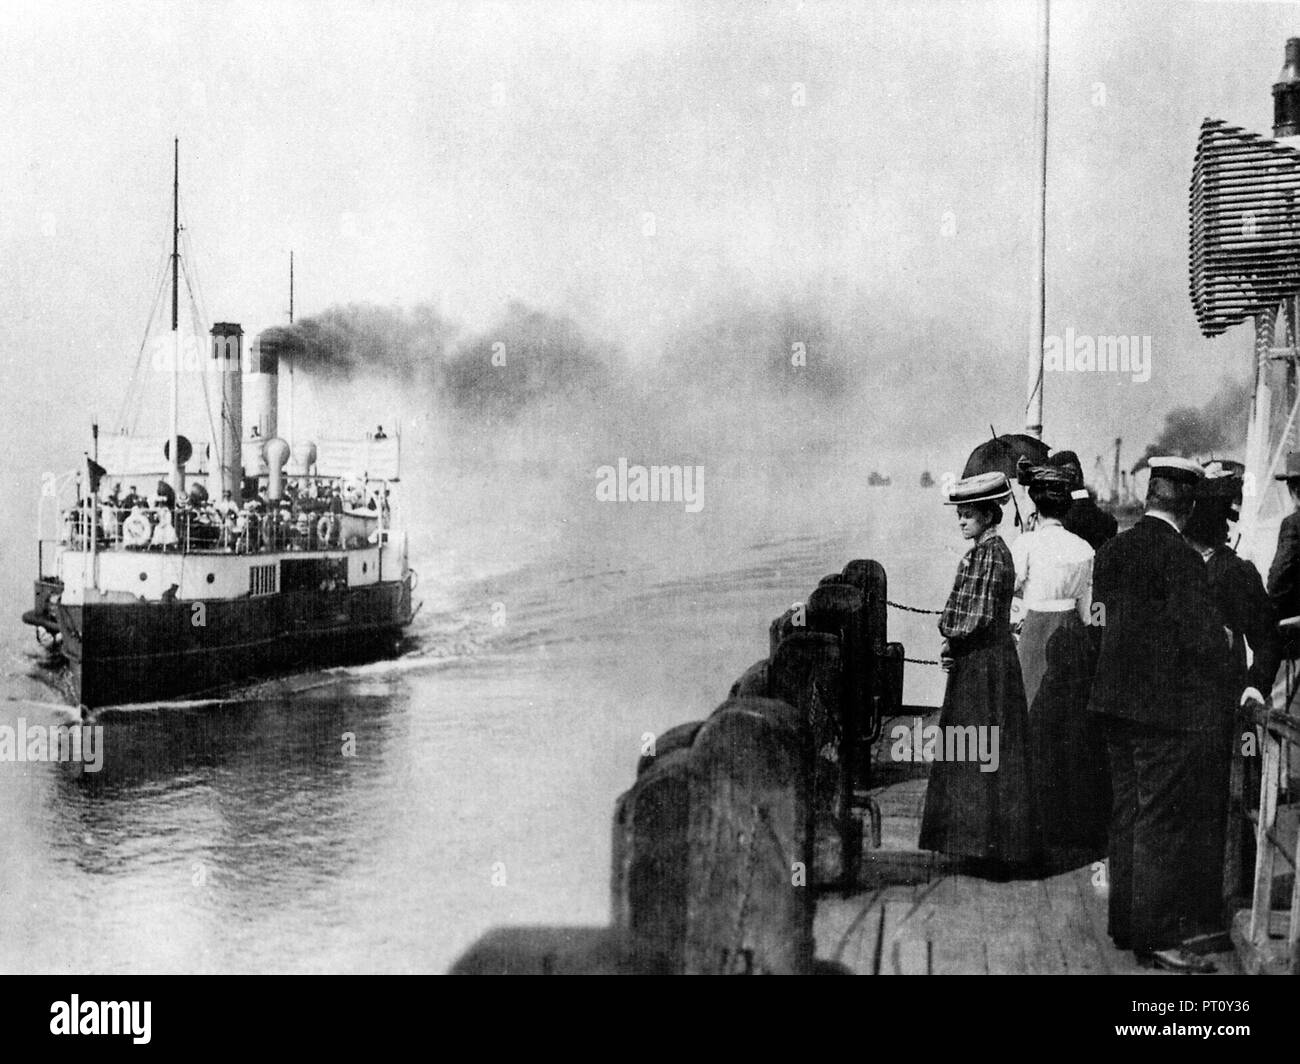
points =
(982, 810)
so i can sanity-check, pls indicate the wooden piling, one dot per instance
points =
(678, 737)
(779, 629)
(559, 951)
(753, 682)
(648, 881)
(749, 909)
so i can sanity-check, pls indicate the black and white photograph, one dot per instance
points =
(806, 487)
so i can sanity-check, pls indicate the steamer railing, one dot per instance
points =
(1267, 935)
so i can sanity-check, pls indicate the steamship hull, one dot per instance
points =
(123, 653)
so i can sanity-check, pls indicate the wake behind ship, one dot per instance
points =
(268, 556)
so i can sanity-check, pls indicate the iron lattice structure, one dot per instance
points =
(1244, 264)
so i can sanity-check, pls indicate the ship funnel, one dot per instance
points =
(1286, 93)
(260, 400)
(227, 365)
(277, 453)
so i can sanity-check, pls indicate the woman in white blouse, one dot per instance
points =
(1068, 751)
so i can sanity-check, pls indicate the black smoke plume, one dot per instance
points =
(344, 341)
(1198, 432)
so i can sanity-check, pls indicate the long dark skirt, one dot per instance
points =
(984, 814)
(1070, 767)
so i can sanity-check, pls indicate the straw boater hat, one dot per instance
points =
(983, 487)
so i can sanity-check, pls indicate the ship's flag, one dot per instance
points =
(96, 473)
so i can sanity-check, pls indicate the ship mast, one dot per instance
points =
(1034, 402)
(288, 353)
(174, 445)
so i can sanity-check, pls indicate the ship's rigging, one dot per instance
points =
(174, 267)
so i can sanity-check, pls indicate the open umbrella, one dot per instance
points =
(1001, 453)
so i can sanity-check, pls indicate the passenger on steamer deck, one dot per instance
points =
(109, 529)
(164, 533)
(227, 507)
(1247, 613)
(1084, 517)
(1068, 747)
(988, 816)
(165, 496)
(1158, 689)
(1284, 580)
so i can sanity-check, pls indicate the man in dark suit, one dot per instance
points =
(1284, 573)
(1157, 686)
(1084, 517)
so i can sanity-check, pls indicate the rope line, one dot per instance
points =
(912, 609)
(922, 661)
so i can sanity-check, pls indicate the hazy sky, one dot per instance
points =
(632, 165)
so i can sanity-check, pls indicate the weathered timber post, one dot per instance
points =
(648, 884)
(749, 906)
(869, 577)
(807, 673)
(754, 682)
(839, 609)
(559, 951)
(678, 737)
(779, 629)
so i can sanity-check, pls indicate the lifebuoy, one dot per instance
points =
(136, 531)
(324, 529)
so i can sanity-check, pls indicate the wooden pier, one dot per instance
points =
(776, 836)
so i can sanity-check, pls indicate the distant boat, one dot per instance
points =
(879, 480)
(927, 481)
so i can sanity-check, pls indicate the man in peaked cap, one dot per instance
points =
(1156, 686)
(1084, 518)
(1245, 611)
(1284, 573)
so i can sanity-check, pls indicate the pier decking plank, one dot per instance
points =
(904, 949)
(1004, 937)
(958, 929)
(1072, 929)
(847, 930)
(948, 923)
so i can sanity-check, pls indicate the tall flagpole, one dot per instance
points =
(288, 349)
(1034, 402)
(176, 341)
